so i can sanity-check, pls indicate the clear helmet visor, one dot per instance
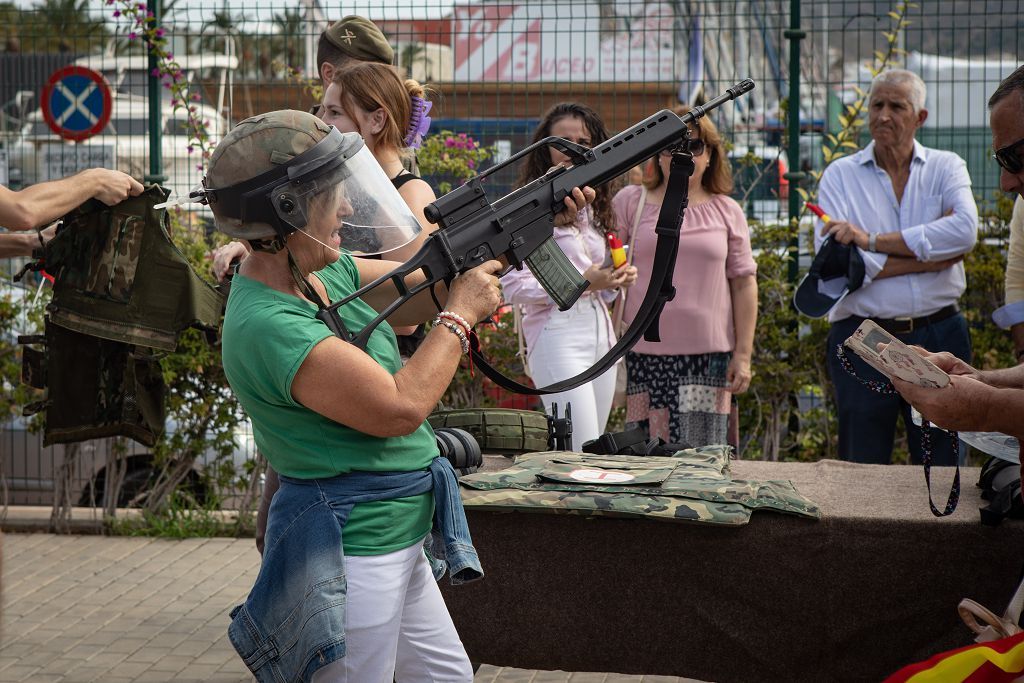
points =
(372, 217)
(355, 197)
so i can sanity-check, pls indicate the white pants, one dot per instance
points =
(396, 625)
(571, 342)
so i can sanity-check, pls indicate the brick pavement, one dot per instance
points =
(79, 609)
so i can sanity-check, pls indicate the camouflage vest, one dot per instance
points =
(118, 275)
(121, 290)
(692, 486)
(95, 388)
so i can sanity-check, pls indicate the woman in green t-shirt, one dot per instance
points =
(345, 592)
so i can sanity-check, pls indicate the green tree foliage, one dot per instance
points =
(18, 315)
(500, 345)
(986, 269)
(788, 363)
(450, 159)
(199, 401)
(288, 43)
(60, 26)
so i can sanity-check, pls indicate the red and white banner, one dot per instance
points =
(545, 42)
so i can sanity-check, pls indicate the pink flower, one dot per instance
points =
(470, 164)
(190, 150)
(154, 72)
(132, 35)
(159, 33)
(117, 13)
(196, 97)
(449, 142)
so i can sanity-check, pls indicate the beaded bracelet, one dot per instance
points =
(456, 330)
(456, 318)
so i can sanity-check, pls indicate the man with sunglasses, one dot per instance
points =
(911, 213)
(984, 400)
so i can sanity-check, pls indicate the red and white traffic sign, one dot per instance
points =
(76, 103)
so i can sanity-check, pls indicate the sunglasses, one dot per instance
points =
(695, 147)
(1009, 158)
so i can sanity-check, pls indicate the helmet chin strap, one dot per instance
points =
(301, 281)
(336, 251)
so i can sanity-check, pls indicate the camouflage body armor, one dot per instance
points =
(122, 290)
(119, 276)
(692, 486)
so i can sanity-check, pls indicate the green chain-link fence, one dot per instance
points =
(494, 67)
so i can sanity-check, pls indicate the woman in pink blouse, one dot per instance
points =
(562, 344)
(681, 388)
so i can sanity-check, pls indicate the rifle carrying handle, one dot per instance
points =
(557, 274)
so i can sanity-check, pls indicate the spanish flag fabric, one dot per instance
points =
(1001, 661)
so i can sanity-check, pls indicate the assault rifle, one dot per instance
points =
(518, 226)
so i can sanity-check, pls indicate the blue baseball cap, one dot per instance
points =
(837, 270)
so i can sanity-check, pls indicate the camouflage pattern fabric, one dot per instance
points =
(692, 486)
(97, 388)
(254, 146)
(121, 289)
(119, 276)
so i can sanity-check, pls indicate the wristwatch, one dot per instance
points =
(872, 238)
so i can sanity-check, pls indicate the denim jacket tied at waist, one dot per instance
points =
(293, 621)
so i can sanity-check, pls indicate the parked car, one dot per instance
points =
(29, 471)
(36, 154)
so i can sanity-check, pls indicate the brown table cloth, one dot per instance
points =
(870, 587)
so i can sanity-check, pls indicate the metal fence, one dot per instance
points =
(494, 67)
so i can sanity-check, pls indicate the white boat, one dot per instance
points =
(39, 154)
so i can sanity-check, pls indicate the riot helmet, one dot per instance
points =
(271, 172)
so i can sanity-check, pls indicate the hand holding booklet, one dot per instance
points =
(896, 359)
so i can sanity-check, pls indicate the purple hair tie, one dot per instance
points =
(419, 122)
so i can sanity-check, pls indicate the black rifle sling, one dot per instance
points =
(659, 292)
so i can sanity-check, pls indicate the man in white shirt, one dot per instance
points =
(910, 211)
(984, 400)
